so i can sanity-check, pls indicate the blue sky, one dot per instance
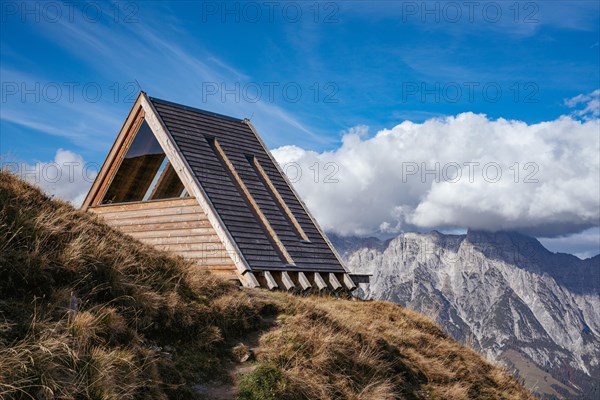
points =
(305, 72)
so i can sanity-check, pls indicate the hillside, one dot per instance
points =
(505, 295)
(87, 312)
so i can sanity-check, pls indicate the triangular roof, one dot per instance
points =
(224, 164)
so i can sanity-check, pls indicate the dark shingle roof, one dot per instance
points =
(191, 130)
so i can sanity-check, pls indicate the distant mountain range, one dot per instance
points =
(504, 294)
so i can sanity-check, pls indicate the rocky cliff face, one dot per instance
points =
(502, 293)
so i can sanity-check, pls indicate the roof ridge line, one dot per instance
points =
(195, 109)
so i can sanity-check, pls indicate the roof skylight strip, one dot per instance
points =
(246, 193)
(277, 195)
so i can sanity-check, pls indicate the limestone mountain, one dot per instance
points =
(502, 293)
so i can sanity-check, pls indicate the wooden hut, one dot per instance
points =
(205, 186)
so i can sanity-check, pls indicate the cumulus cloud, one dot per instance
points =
(67, 177)
(461, 171)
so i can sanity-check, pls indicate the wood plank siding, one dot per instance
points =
(176, 225)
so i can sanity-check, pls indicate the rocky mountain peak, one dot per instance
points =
(502, 293)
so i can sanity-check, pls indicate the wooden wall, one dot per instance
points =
(176, 225)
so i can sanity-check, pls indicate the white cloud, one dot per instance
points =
(583, 244)
(587, 105)
(442, 174)
(67, 177)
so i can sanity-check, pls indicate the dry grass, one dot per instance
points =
(132, 301)
(339, 349)
(146, 327)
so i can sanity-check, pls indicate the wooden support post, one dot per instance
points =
(287, 282)
(303, 280)
(348, 282)
(333, 282)
(271, 284)
(319, 281)
(249, 280)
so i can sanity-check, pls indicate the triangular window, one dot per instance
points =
(145, 173)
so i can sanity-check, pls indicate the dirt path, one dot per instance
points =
(237, 369)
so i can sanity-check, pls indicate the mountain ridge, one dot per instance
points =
(503, 293)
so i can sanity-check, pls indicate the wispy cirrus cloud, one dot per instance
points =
(586, 106)
(168, 66)
(57, 108)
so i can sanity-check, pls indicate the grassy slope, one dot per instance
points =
(147, 327)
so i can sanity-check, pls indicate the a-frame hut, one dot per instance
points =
(205, 186)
